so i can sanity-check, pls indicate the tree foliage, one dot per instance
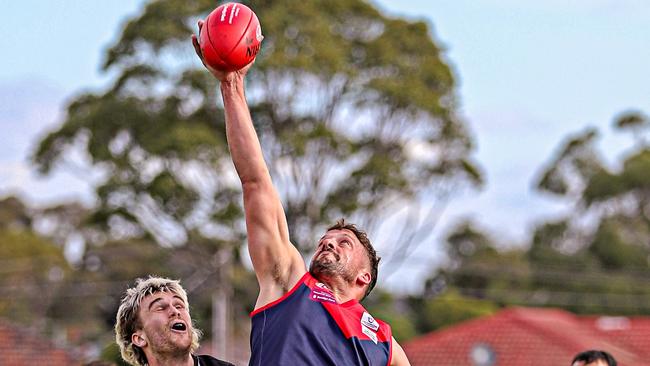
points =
(596, 259)
(32, 268)
(356, 113)
(447, 309)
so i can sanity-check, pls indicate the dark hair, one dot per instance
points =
(363, 239)
(594, 355)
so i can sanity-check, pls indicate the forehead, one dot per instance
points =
(341, 234)
(160, 295)
(597, 363)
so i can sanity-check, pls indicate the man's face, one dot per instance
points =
(339, 253)
(166, 324)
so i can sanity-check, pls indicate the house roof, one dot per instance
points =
(633, 332)
(21, 347)
(528, 336)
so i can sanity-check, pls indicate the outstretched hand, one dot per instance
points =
(223, 76)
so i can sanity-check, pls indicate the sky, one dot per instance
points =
(529, 74)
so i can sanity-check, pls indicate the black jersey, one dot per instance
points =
(205, 360)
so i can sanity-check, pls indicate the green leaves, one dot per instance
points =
(172, 196)
(631, 120)
(339, 95)
(452, 308)
(614, 251)
(593, 259)
(573, 165)
(32, 268)
(162, 24)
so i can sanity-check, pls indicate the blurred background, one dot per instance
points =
(496, 152)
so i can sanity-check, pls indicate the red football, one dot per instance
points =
(231, 37)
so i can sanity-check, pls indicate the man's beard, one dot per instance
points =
(163, 344)
(326, 267)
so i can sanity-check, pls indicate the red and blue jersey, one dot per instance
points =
(307, 326)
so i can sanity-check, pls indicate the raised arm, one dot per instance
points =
(278, 264)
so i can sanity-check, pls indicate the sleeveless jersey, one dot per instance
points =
(307, 326)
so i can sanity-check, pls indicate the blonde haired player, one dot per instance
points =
(153, 326)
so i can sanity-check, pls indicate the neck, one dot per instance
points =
(342, 290)
(170, 360)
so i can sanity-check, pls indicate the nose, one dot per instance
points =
(329, 244)
(174, 312)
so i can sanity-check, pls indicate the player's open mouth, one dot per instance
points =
(179, 326)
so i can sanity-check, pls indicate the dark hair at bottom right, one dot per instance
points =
(595, 355)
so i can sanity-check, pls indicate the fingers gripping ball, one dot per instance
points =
(230, 37)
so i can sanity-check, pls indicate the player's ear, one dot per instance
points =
(364, 278)
(139, 339)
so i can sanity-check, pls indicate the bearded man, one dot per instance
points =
(301, 317)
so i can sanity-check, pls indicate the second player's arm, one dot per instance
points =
(278, 264)
(399, 356)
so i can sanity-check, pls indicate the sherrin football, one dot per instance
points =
(231, 37)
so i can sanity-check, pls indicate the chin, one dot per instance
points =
(322, 271)
(182, 341)
(184, 345)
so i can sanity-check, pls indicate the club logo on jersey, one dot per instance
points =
(322, 293)
(368, 321)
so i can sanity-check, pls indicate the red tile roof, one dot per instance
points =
(20, 347)
(633, 332)
(530, 336)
